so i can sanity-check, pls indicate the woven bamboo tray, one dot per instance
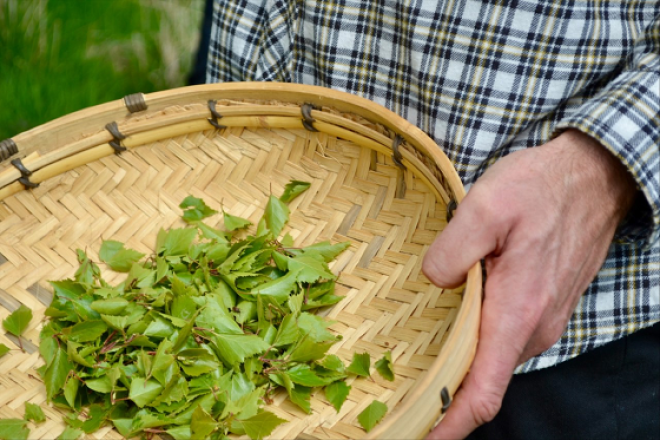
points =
(376, 180)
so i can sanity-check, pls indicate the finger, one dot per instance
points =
(554, 321)
(501, 342)
(471, 235)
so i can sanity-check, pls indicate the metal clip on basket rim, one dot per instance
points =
(25, 174)
(117, 136)
(451, 207)
(308, 120)
(397, 157)
(213, 120)
(446, 399)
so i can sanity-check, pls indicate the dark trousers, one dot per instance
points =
(611, 392)
(198, 72)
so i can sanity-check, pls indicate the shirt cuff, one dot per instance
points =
(625, 118)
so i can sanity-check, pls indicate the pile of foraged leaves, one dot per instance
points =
(199, 335)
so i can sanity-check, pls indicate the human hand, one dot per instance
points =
(543, 219)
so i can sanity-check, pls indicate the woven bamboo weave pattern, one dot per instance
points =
(389, 304)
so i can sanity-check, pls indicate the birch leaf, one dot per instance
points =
(233, 222)
(301, 396)
(34, 412)
(360, 365)
(310, 270)
(202, 424)
(14, 429)
(336, 393)
(235, 348)
(119, 258)
(372, 414)
(18, 321)
(57, 373)
(325, 250)
(195, 209)
(177, 241)
(87, 331)
(308, 350)
(259, 426)
(293, 189)
(276, 215)
(385, 367)
(70, 433)
(143, 391)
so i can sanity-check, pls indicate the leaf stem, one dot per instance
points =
(205, 330)
(154, 430)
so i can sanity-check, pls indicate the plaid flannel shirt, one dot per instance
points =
(484, 79)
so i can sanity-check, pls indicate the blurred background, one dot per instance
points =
(59, 56)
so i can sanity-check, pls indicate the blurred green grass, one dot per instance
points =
(60, 56)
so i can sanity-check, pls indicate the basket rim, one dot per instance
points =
(66, 129)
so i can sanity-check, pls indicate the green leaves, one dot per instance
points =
(117, 257)
(301, 396)
(100, 385)
(195, 209)
(293, 189)
(34, 412)
(233, 222)
(385, 367)
(57, 373)
(71, 302)
(372, 414)
(276, 215)
(279, 288)
(18, 321)
(4, 350)
(110, 306)
(288, 332)
(259, 426)
(360, 364)
(14, 429)
(202, 424)
(70, 433)
(336, 393)
(143, 391)
(235, 348)
(303, 375)
(175, 242)
(324, 250)
(199, 335)
(306, 350)
(86, 331)
(309, 269)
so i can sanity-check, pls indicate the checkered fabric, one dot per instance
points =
(484, 79)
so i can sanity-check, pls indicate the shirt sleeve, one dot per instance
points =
(625, 117)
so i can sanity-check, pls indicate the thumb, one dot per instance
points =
(471, 235)
(501, 342)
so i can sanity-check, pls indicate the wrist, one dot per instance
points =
(601, 173)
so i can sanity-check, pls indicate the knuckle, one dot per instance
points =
(486, 206)
(546, 340)
(486, 407)
(549, 337)
(480, 200)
